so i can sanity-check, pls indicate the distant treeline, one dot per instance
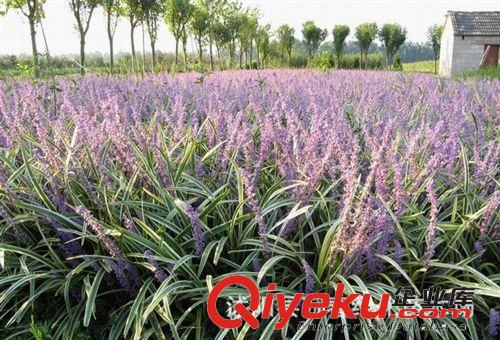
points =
(226, 35)
(99, 62)
(408, 52)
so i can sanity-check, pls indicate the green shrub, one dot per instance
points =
(396, 64)
(484, 72)
(326, 61)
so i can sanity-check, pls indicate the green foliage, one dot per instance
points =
(340, 33)
(25, 67)
(491, 72)
(286, 41)
(133, 10)
(326, 61)
(231, 250)
(150, 13)
(434, 34)
(232, 20)
(397, 65)
(200, 22)
(37, 275)
(323, 62)
(434, 38)
(392, 36)
(199, 26)
(32, 9)
(177, 15)
(263, 44)
(40, 332)
(365, 35)
(313, 36)
(419, 66)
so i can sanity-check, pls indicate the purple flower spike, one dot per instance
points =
(160, 274)
(198, 234)
(309, 287)
(494, 322)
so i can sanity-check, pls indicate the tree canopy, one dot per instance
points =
(313, 36)
(340, 33)
(392, 36)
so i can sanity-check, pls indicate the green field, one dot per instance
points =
(490, 73)
(419, 66)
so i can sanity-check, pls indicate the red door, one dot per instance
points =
(490, 57)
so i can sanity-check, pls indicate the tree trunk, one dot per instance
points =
(219, 59)
(82, 53)
(290, 59)
(47, 54)
(435, 65)
(33, 46)
(232, 51)
(176, 52)
(258, 58)
(200, 51)
(211, 58)
(143, 50)
(241, 56)
(132, 43)
(153, 55)
(184, 50)
(361, 60)
(282, 57)
(251, 54)
(110, 38)
(338, 61)
(366, 60)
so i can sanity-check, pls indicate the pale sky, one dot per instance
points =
(416, 16)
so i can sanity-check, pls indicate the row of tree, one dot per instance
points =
(221, 26)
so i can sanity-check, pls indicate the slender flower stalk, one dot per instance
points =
(485, 222)
(160, 274)
(101, 233)
(309, 286)
(432, 228)
(198, 233)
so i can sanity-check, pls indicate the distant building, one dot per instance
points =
(470, 40)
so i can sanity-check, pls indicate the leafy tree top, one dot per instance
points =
(313, 36)
(434, 37)
(340, 33)
(27, 7)
(365, 34)
(392, 36)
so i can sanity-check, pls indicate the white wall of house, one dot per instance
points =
(446, 53)
(467, 53)
(459, 53)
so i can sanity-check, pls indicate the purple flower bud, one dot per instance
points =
(494, 323)
(160, 274)
(309, 287)
(101, 233)
(198, 234)
(484, 226)
(431, 230)
(120, 274)
(398, 253)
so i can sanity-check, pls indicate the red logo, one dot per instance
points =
(314, 306)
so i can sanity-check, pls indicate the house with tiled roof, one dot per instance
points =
(470, 40)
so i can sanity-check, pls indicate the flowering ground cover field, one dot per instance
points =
(124, 200)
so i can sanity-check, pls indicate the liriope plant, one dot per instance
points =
(115, 233)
